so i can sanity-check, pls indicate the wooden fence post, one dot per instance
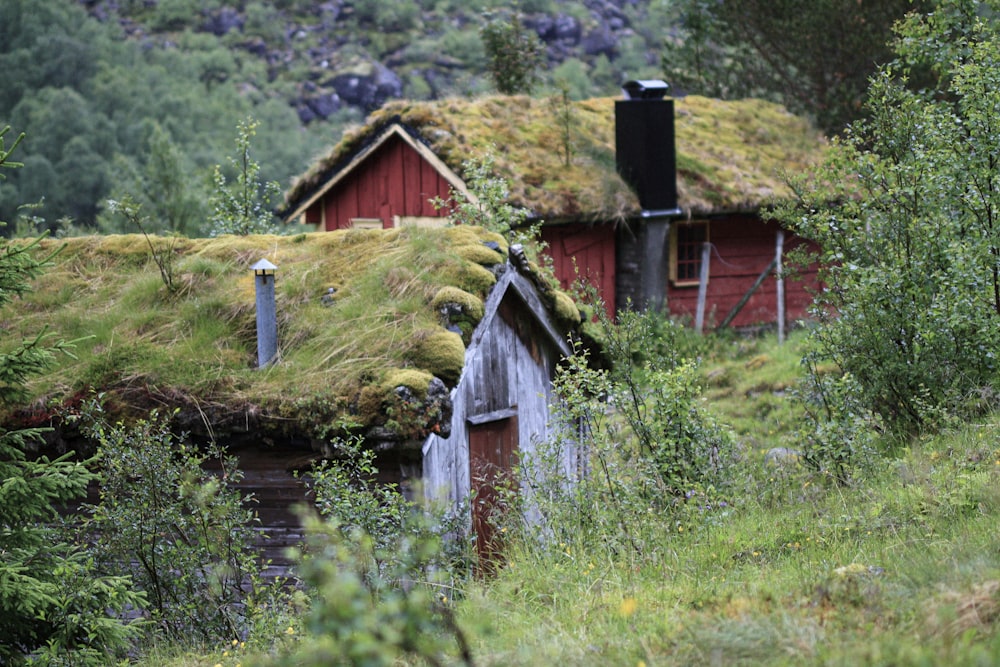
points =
(780, 297)
(706, 255)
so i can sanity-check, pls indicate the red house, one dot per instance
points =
(634, 194)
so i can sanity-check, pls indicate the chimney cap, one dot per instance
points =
(263, 268)
(645, 89)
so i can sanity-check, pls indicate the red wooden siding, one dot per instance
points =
(587, 249)
(743, 246)
(492, 452)
(394, 180)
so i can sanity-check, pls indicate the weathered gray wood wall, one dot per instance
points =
(509, 365)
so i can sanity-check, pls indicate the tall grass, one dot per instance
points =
(902, 566)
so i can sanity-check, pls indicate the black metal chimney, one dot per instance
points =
(645, 154)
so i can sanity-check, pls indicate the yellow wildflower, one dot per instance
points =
(627, 607)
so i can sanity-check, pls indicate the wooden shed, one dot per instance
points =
(501, 405)
(563, 163)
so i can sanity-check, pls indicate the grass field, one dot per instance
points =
(900, 567)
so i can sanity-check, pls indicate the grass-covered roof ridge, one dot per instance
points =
(731, 155)
(360, 315)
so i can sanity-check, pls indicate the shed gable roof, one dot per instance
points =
(731, 155)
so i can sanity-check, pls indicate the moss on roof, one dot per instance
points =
(731, 156)
(359, 315)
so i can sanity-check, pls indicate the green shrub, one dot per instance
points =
(180, 531)
(377, 570)
(903, 211)
(361, 617)
(645, 447)
(840, 431)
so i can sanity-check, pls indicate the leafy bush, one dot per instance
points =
(904, 211)
(180, 531)
(346, 493)
(840, 432)
(656, 390)
(359, 617)
(514, 53)
(377, 569)
(646, 447)
(243, 207)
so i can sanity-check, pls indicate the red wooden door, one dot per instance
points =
(492, 448)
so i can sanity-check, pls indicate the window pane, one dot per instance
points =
(689, 241)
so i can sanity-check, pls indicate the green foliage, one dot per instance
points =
(646, 445)
(386, 17)
(174, 14)
(514, 52)
(840, 432)
(739, 48)
(572, 79)
(90, 99)
(361, 618)
(376, 568)
(179, 530)
(603, 503)
(657, 391)
(905, 212)
(243, 207)
(489, 206)
(346, 493)
(162, 185)
(54, 607)
(163, 256)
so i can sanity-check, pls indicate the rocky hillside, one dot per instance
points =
(345, 56)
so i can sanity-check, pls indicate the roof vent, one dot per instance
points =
(645, 89)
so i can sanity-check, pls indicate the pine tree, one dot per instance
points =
(51, 604)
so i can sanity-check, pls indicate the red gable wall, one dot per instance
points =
(394, 180)
(587, 252)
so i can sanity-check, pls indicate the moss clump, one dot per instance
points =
(416, 380)
(470, 277)
(470, 304)
(440, 352)
(369, 405)
(480, 254)
(565, 309)
(459, 308)
(460, 235)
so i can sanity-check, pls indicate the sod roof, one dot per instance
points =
(731, 156)
(367, 354)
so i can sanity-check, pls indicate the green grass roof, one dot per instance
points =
(731, 156)
(195, 348)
